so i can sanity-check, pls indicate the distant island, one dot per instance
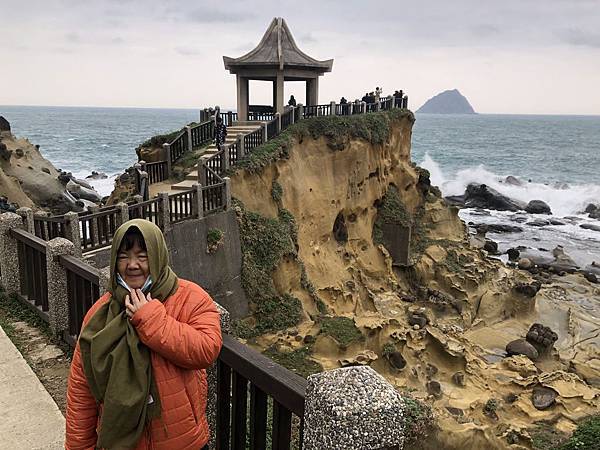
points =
(447, 102)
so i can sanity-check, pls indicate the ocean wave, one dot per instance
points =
(103, 187)
(564, 200)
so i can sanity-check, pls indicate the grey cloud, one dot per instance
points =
(485, 30)
(576, 36)
(307, 38)
(216, 16)
(188, 51)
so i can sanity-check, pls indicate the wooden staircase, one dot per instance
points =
(232, 133)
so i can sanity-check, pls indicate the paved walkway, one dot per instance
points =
(29, 418)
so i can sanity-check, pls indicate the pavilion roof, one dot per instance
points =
(279, 50)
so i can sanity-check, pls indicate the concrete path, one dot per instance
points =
(29, 417)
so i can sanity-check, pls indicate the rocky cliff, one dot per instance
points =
(326, 293)
(447, 102)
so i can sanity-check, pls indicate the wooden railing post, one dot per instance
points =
(293, 115)
(43, 225)
(300, 111)
(352, 407)
(278, 118)
(265, 131)
(56, 274)
(363, 106)
(72, 232)
(9, 253)
(225, 157)
(240, 146)
(332, 111)
(227, 193)
(122, 213)
(94, 231)
(188, 130)
(167, 148)
(201, 171)
(27, 216)
(198, 202)
(212, 401)
(164, 211)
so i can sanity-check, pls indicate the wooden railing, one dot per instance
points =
(181, 206)
(178, 146)
(32, 263)
(148, 210)
(228, 117)
(272, 128)
(253, 140)
(47, 228)
(264, 116)
(316, 110)
(83, 289)
(213, 197)
(287, 118)
(203, 133)
(157, 171)
(106, 221)
(232, 150)
(242, 371)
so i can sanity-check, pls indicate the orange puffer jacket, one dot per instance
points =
(184, 336)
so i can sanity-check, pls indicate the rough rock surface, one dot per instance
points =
(538, 207)
(522, 347)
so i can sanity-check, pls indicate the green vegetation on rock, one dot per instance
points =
(298, 361)
(342, 329)
(388, 349)
(276, 192)
(390, 210)
(337, 130)
(455, 262)
(418, 420)
(586, 436)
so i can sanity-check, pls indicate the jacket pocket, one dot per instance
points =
(193, 404)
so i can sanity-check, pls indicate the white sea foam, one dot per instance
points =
(103, 187)
(563, 200)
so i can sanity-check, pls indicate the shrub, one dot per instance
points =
(342, 329)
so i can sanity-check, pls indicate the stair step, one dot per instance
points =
(192, 176)
(184, 185)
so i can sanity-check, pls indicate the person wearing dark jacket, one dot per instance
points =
(220, 132)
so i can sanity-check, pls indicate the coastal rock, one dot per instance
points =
(538, 207)
(97, 176)
(522, 347)
(4, 124)
(482, 196)
(417, 318)
(525, 264)
(513, 181)
(542, 338)
(498, 228)
(434, 388)
(447, 102)
(528, 289)
(455, 200)
(513, 254)
(538, 223)
(459, 379)
(397, 361)
(5, 154)
(491, 247)
(543, 397)
(591, 277)
(83, 192)
(590, 226)
(556, 222)
(593, 210)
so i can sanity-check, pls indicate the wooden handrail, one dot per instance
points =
(29, 239)
(78, 267)
(287, 388)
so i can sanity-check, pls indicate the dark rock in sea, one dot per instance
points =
(5, 153)
(593, 268)
(5, 206)
(590, 226)
(595, 214)
(590, 208)
(497, 228)
(538, 223)
(556, 222)
(97, 176)
(455, 200)
(4, 124)
(397, 361)
(521, 347)
(528, 289)
(542, 338)
(447, 102)
(491, 247)
(64, 177)
(538, 207)
(513, 254)
(591, 277)
(513, 181)
(543, 397)
(482, 196)
(525, 264)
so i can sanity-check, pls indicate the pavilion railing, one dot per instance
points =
(272, 128)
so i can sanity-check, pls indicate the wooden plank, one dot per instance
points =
(276, 381)
(258, 418)
(282, 427)
(223, 405)
(29, 239)
(239, 411)
(80, 268)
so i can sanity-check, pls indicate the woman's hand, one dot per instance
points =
(135, 301)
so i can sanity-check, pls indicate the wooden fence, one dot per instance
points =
(32, 261)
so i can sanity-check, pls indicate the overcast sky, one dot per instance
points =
(525, 56)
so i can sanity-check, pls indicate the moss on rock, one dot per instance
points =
(298, 360)
(342, 329)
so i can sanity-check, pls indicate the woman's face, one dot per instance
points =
(133, 266)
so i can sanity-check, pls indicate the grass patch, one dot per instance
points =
(390, 210)
(214, 236)
(388, 349)
(418, 421)
(276, 192)
(455, 262)
(342, 329)
(277, 313)
(586, 436)
(298, 361)
(337, 130)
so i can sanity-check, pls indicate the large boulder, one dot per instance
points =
(522, 347)
(590, 226)
(538, 207)
(82, 192)
(5, 153)
(482, 196)
(4, 124)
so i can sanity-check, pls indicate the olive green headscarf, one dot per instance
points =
(116, 363)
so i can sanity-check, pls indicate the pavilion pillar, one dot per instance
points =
(312, 91)
(242, 97)
(279, 92)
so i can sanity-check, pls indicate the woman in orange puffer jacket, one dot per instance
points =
(138, 378)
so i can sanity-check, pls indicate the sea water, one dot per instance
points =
(556, 157)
